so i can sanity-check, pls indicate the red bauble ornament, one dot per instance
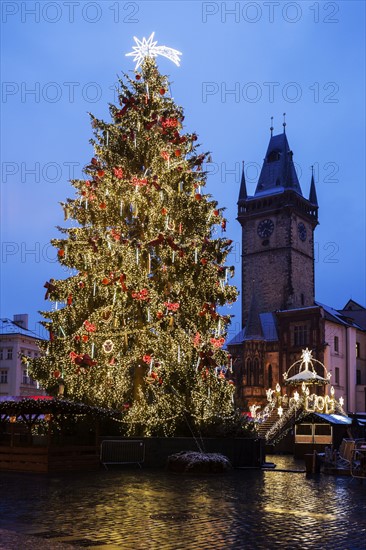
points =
(203, 261)
(101, 173)
(85, 337)
(138, 77)
(90, 327)
(102, 205)
(56, 374)
(61, 253)
(198, 196)
(162, 91)
(177, 152)
(215, 212)
(94, 161)
(118, 172)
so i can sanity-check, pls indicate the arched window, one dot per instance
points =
(270, 376)
(256, 371)
(261, 374)
(248, 379)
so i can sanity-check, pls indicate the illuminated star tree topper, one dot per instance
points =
(148, 48)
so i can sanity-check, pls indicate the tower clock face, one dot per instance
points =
(301, 229)
(265, 228)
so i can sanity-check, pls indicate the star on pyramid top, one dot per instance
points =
(148, 48)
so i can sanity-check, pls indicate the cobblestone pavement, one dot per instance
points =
(136, 509)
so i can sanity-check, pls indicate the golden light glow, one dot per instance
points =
(302, 513)
(137, 323)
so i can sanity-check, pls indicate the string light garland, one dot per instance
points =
(292, 408)
(148, 272)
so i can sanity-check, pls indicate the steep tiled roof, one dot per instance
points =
(278, 170)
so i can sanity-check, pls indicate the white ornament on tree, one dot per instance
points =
(149, 48)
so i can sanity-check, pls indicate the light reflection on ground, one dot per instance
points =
(151, 509)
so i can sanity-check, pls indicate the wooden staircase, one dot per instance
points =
(265, 426)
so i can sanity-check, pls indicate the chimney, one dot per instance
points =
(21, 319)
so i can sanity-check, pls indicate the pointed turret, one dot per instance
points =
(253, 327)
(278, 171)
(243, 195)
(312, 195)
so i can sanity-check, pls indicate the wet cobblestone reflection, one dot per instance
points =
(148, 509)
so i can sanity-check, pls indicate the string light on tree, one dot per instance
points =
(146, 269)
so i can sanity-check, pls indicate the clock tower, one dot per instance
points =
(278, 223)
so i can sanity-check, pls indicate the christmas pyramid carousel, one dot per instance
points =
(307, 381)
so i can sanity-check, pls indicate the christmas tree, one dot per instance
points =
(136, 326)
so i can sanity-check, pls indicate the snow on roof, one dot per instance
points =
(336, 316)
(334, 418)
(306, 376)
(269, 329)
(9, 327)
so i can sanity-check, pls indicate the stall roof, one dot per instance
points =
(14, 406)
(334, 418)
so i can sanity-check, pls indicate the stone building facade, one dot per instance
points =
(280, 315)
(17, 340)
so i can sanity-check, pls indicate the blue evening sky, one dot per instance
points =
(242, 63)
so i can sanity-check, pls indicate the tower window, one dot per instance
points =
(270, 376)
(302, 299)
(300, 335)
(273, 156)
(336, 376)
(358, 377)
(9, 353)
(3, 377)
(358, 350)
(336, 344)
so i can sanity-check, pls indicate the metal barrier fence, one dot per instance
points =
(118, 451)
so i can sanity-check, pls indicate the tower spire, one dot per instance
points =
(278, 170)
(271, 128)
(243, 195)
(312, 195)
(253, 330)
(284, 123)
